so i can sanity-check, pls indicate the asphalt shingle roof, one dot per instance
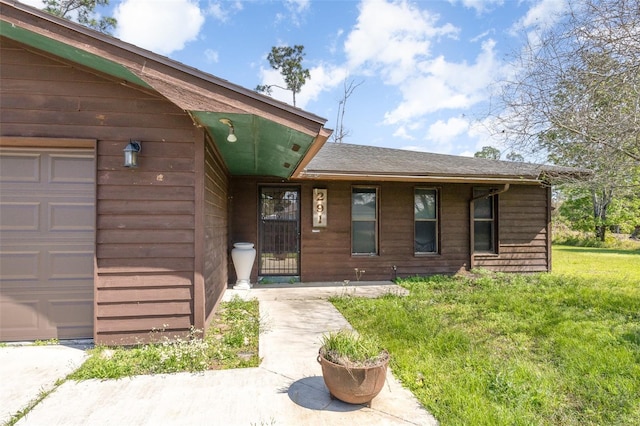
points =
(360, 159)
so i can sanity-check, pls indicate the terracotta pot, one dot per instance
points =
(354, 385)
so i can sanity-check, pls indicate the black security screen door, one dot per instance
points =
(279, 247)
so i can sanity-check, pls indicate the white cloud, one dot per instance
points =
(34, 3)
(296, 11)
(211, 56)
(482, 35)
(333, 45)
(297, 6)
(438, 84)
(480, 6)
(323, 78)
(418, 148)
(218, 12)
(402, 133)
(394, 39)
(487, 132)
(390, 37)
(162, 27)
(443, 132)
(540, 17)
(542, 14)
(222, 11)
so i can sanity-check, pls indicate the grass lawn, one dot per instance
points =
(556, 349)
(621, 265)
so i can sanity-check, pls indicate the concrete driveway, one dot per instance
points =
(27, 370)
(287, 388)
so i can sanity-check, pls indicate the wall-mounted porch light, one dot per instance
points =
(131, 153)
(232, 132)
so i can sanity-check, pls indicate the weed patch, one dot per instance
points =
(230, 342)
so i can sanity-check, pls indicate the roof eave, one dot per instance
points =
(318, 143)
(145, 54)
(191, 90)
(391, 177)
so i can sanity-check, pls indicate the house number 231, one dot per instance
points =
(319, 208)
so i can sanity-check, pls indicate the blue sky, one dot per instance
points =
(426, 67)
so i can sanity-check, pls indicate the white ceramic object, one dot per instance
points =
(243, 255)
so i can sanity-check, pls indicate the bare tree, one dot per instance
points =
(341, 132)
(574, 96)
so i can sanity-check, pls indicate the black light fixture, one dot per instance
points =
(131, 153)
(232, 132)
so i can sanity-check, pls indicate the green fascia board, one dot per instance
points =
(70, 53)
(263, 148)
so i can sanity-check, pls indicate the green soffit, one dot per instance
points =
(71, 53)
(263, 148)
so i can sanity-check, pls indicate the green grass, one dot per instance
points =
(347, 348)
(496, 349)
(609, 264)
(231, 342)
(16, 417)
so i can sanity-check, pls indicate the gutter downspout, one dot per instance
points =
(471, 212)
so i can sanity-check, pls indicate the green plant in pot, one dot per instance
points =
(354, 367)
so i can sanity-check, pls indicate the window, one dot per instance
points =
(364, 221)
(425, 212)
(484, 221)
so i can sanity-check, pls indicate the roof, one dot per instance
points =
(263, 125)
(360, 162)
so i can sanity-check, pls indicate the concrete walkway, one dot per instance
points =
(287, 388)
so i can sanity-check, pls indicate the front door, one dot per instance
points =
(279, 239)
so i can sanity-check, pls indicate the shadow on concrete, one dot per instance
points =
(312, 393)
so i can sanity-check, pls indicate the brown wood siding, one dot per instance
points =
(326, 254)
(145, 226)
(216, 229)
(523, 231)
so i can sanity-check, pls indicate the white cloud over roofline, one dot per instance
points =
(443, 131)
(34, 3)
(160, 26)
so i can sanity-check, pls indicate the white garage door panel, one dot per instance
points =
(76, 169)
(47, 220)
(18, 316)
(79, 217)
(71, 266)
(68, 316)
(20, 216)
(20, 167)
(16, 265)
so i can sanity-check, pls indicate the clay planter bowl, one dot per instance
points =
(354, 385)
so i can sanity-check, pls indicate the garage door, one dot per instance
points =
(47, 222)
